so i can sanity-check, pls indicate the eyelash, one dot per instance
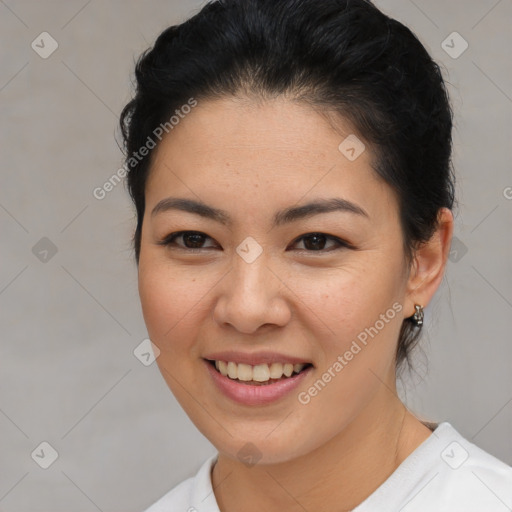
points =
(169, 241)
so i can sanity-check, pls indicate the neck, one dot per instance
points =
(338, 475)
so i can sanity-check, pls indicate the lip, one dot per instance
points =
(254, 359)
(255, 395)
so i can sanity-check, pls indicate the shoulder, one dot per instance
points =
(177, 498)
(470, 477)
(446, 473)
(194, 494)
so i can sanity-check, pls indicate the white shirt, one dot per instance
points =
(446, 473)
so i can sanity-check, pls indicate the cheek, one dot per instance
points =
(168, 300)
(358, 310)
(351, 299)
(362, 319)
(171, 303)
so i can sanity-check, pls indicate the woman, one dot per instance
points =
(290, 165)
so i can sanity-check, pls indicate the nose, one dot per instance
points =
(251, 296)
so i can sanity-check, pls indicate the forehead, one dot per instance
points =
(276, 150)
(237, 126)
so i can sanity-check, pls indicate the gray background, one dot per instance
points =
(71, 321)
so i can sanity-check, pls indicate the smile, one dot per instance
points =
(257, 374)
(259, 384)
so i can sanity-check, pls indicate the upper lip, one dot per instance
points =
(255, 358)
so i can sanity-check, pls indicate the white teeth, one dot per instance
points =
(223, 367)
(288, 369)
(259, 372)
(232, 370)
(244, 372)
(276, 370)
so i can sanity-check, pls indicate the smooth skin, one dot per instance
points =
(252, 158)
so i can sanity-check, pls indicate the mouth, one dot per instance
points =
(263, 374)
(257, 384)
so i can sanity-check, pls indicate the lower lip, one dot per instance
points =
(256, 395)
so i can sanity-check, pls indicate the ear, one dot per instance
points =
(429, 262)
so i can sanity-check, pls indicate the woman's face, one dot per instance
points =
(249, 287)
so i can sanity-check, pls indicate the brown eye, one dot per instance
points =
(190, 240)
(317, 242)
(193, 240)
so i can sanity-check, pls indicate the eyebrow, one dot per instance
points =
(285, 216)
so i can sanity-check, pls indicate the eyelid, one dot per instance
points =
(169, 241)
(341, 243)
